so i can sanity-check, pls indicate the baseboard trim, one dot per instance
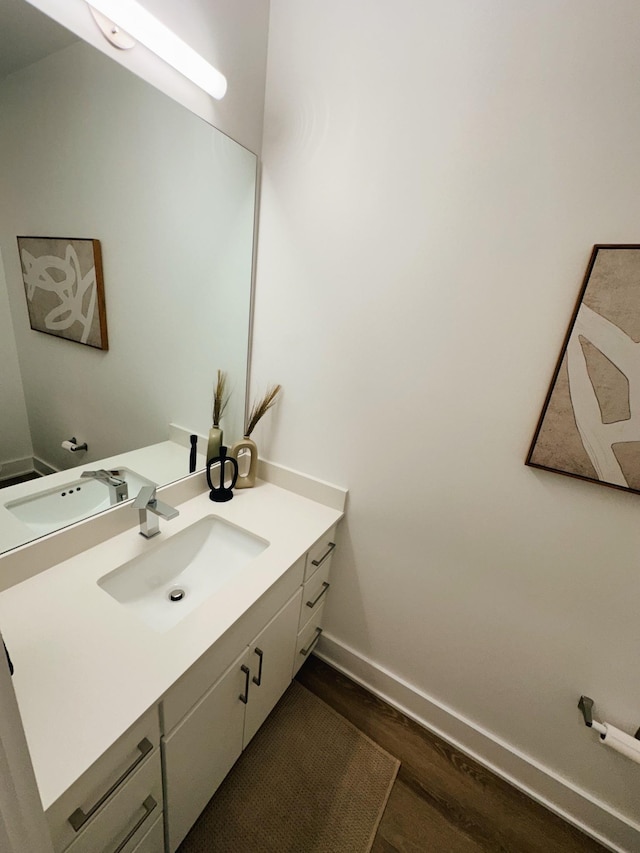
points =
(43, 468)
(182, 436)
(16, 468)
(587, 813)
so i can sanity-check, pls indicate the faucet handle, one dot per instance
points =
(145, 496)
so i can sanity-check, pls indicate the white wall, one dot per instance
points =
(14, 424)
(435, 175)
(230, 35)
(91, 151)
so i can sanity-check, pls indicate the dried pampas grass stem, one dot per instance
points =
(261, 407)
(220, 397)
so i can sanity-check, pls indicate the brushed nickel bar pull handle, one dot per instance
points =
(149, 805)
(325, 587)
(258, 680)
(319, 562)
(247, 673)
(312, 644)
(79, 818)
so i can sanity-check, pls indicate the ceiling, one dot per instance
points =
(22, 24)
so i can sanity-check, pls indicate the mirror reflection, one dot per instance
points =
(89, 151)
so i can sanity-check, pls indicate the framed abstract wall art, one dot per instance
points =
(590, 423)
(64, 288)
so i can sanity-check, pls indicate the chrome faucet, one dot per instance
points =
(118, 488)
(151, 509)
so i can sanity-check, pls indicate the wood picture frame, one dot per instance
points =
(64, 288)
(589, 427)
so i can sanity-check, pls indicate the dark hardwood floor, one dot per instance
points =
(442, 801)
(22, 478)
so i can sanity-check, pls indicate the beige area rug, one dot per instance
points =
(309, 782)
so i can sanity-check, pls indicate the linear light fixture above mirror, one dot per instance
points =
(142, 26)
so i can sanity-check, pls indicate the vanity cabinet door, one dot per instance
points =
(270, 663)
(202, 749)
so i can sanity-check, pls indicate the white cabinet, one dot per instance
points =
(114, 803)
(201, 749)
(314, 594)
(321, 553)
(307, 639)
(270, 665)
(122, 824)
(153, 840)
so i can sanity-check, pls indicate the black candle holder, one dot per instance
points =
(221, 493)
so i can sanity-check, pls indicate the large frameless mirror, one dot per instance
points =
(88, 151)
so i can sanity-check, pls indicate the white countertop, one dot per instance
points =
(86, 667)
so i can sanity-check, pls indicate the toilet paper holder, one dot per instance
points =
(586, 706)
(73, 446)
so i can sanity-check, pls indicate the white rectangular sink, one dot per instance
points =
(175, 576)
(51, 509)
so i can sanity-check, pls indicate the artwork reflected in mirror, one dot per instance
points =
(89, 149)
(64, 288)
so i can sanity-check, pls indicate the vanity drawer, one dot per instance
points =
(123, 823)
(314, 593)
(308, 638)
(81, 804)
(320, 554)
(153, 841)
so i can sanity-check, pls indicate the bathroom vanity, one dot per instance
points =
(132, 725)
